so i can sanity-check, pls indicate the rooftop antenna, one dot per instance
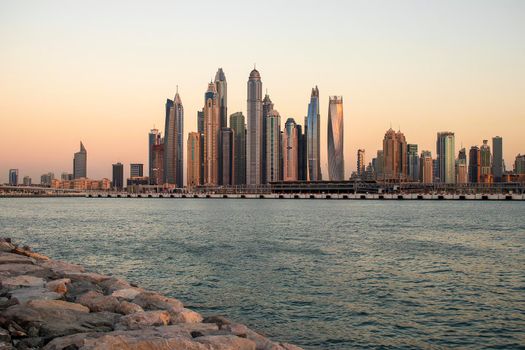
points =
(177, 89)
(254, 66)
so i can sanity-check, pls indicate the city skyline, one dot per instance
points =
(466, 78)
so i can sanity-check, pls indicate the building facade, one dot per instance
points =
(462, 167)
(80, 163)
(335, 137)
(412, 162)
(118, 176)
(238, 125)
(445, 149)
(193, 159)
(302, 149)
(174, 143)
(228, 157)
(273, 146)
(427, 167)
(212, 122)
(485, 160)
(474, 165)
(290, 151)
(361, 168)
(47, 179)
(395, 156)
(497, 158)
(313, 121)
(254, 139)
(136, 170)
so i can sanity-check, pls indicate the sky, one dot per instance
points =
(100, 72)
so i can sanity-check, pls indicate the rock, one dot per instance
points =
(4, 335)
(126, 308)
(76, 289)
(30, 254)
(187, 329)
(226, 342)
(217, 319)
(114, 284)
(6, 346)
(61, 266)
(262, 343)
(57, 304)
(155, 301)
(22, 281)
(23, 295)
(237, 329)
(58, 286)
(139, 341)
(30, 343)
(15, 330)
(143, 319)
(6, 247)
(9, 258)
(97, 302)
(19, 269)
(86, 276)
(184, 315)
(287, 346)
(127, 293)
(68, 342)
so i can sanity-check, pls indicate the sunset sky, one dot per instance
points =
(100, 72)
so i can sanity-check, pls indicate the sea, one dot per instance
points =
(321, 274)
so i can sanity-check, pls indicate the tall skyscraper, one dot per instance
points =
(13, 177)
(194, 162)
(412, 162)
(254, 140)
(153, 139)
(474, 165)
(302, 150)
(290, 151)
(222, 94)
(519, 165)
(485, 158)
(212, 129)
(156, 158)
(273, 146)
(118, 176)
(427, 168)
(174, 143)
(379, 165)
(200, 121)
(497, 158)
(200, 130)
(314, 137)
(238, 124)
(361, 162)
(228, 157)
(336, 159)
(267, 107)
(446, 159)
(136, 170)
(461, 167)
(395, 155)
(80, 163)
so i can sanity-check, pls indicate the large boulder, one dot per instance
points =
(113, 284)
(57, 304)
(86, 276)
(19, 269)
(156, 301)
(98, 302)
(58, 286)
(226, 342)
(23, 295)
(22, 281)
(10, 258)
(128, 293)
(126, 308)
(61, 266)
(76, 289)
(144, 319)
(184, 315)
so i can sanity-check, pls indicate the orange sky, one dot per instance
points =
(101, 72)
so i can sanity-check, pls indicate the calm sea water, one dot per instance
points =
(317, 273)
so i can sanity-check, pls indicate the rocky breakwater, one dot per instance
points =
(55, 305)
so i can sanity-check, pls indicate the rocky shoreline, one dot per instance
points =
(53, 305)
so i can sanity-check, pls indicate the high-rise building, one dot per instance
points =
(427, 168)
(173, 142)
(267, 107)
(519, 165)
(412, 162)
(395, 155)
(378, 164)
(136, 170)
(361, 168)
(445, 149)
(194, 161)
(314, 137)
(238, 125)
(461, 167)
(222, 95)
(153, 138)
(485, 157)
(212, 129)
(273, 146)
(13, 177)
(302, 150)
(290, 151)
(497, 158)
(80, 163)
(26, 181)
(474, 167)
(228, 157)
(200, 130)
(254, 140)
(336, 159)
(47, 179)
(118, 176)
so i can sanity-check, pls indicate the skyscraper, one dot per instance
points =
(445, 149)
(412, 162)
(267, 107)
(136, 170)
(222, 94)
(254, 138)
(211, 136)
(200, 130)
(228, 155)
(13, 177)
(426, 164)
(474, 165)
(80, 163)
(290, 151)
(173, 142)
(395, 155)
(461, 167)
(485, 162)
(301, 154)
(361, 162)
(273, 146)
(314, 137)
(519, 165)
(238, 125)
(118, 176)
(194, 162)
(379, 165)
(497, 158)
(153, 138)
(336, 160)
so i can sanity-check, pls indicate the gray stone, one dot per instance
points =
(128, 293)
(22, 281)
(184, 315)
(4, 335)
(155, 301)
(61, 266)
(217, 319)
(226, 342)
(58, 286)
(98, 302)
(126, 308)
(10, 258)
(23, 295)
(86, 276)
(76, 289)
(114, 284)
(144, 319)
(19, 269)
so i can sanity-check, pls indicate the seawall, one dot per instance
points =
(53, 305)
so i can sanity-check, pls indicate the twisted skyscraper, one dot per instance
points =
(336, 160)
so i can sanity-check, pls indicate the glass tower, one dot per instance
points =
(336, 160)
